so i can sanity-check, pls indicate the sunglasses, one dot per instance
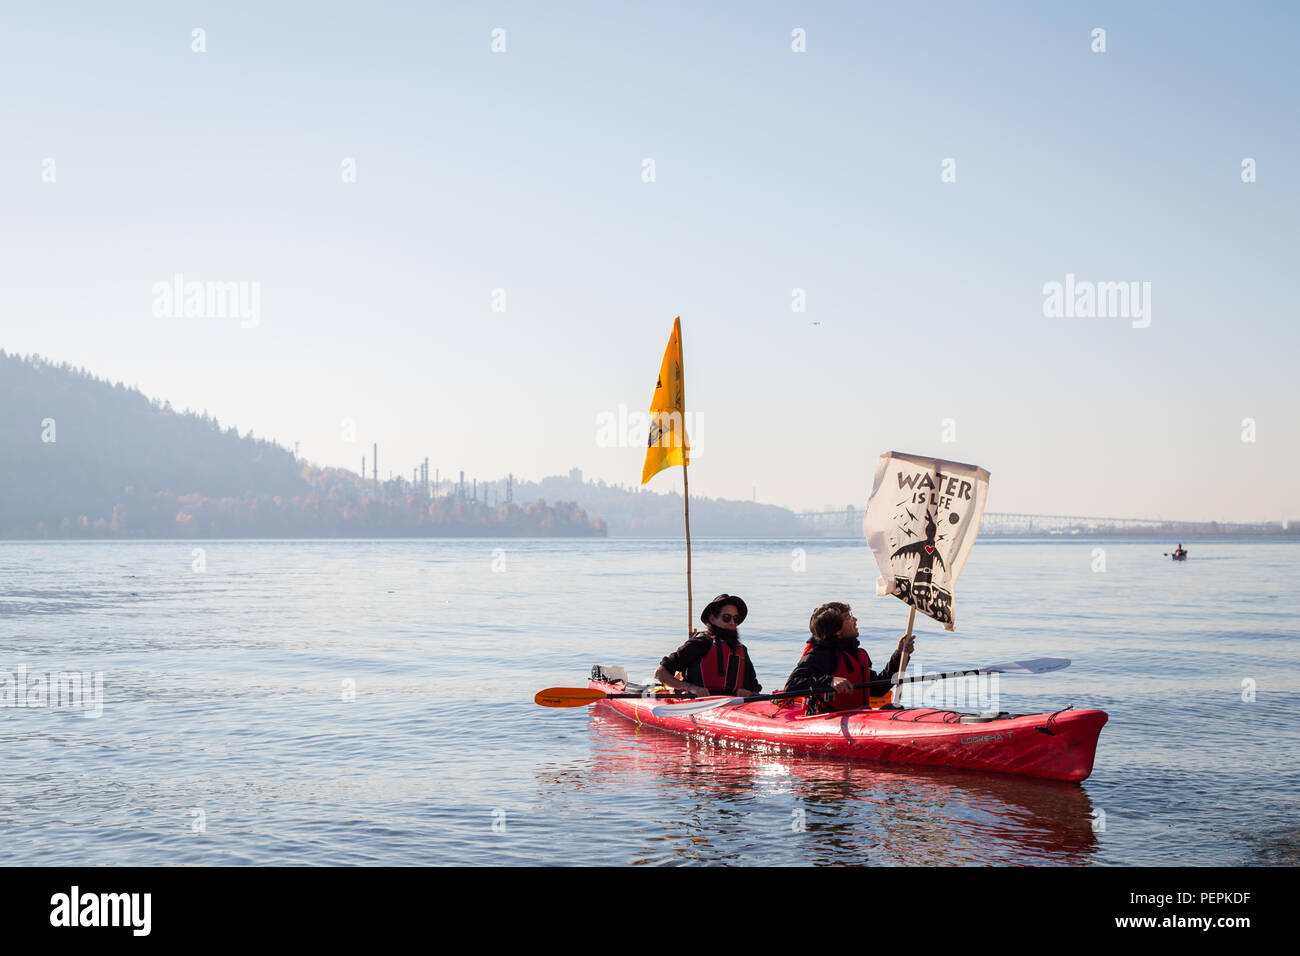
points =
(730, 618)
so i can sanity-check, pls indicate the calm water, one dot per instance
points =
(226, 734)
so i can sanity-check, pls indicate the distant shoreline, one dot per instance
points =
(1159, 539)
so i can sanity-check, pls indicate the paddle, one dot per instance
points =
(1040, 665)
(582, 696)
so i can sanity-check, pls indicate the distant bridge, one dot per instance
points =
(849, 522)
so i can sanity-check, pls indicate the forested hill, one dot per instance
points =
(75, 445)
(82, 457)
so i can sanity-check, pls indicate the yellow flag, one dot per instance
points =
(667, 444)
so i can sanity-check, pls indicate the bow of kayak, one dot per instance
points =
(1057, 746)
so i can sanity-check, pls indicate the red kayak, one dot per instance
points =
(1058, 746)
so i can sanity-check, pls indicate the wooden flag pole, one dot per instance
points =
(902, 664)
(686, 487)
(669, 401)
(686, 501)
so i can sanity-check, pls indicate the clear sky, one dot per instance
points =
(774, 170)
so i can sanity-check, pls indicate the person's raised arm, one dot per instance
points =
(905, 643)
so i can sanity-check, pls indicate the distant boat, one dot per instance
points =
(1179, 555)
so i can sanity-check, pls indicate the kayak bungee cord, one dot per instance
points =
(1040, 665)
(581, 696)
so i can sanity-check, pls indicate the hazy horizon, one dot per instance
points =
(517, 177)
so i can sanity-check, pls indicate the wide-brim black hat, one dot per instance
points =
(721, 601)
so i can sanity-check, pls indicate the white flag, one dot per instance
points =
(921, 522)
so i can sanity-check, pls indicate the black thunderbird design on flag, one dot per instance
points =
(920, 522)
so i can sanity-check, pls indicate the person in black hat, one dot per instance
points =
(713, 661)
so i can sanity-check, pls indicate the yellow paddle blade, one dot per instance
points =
(568, 696)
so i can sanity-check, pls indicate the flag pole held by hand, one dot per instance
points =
(902, 664)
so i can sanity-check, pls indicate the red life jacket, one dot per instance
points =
(856, 667)
(721, 669)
